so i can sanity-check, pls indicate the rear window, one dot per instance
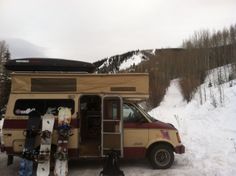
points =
(42, 105)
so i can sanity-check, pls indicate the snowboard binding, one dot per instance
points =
(46, 137)
(43, 156)
(29, 155)
(61, 156)
(64, 131)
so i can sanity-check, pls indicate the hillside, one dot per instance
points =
(131, 60)
(201, 52)
(163, 65)
(207, 130)
(123, 62)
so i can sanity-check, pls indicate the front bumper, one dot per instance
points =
(180, 149)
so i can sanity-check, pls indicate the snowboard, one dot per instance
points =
(43, 159)
(29, 152)
(61, 156)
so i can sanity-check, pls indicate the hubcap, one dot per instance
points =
(162, 157)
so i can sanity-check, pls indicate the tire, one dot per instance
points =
(161, 156)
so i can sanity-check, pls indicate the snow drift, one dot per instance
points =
(208, 130)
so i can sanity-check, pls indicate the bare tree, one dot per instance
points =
(4, 80)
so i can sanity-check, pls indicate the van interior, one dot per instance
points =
(90, 125)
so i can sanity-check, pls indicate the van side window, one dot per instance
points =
(42, 105)
(131, 114)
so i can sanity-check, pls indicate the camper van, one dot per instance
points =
(105, 115)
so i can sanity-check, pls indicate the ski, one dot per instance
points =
(29, 152)
(43, 159)
(61, 156)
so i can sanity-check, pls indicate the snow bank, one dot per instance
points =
(208, 133)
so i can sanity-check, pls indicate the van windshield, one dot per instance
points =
(145, 112)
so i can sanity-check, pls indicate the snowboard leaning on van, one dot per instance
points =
(61, 155)
(29, 152)
(43, 159)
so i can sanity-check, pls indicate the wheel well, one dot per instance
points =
(158, 143)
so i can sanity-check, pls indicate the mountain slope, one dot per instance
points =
(117, 63)
(208, 130)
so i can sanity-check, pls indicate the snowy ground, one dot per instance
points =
(208, 131)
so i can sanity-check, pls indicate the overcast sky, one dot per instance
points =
(89, 30)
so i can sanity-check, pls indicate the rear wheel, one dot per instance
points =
(161, 156)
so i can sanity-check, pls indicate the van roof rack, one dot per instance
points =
(49, 65)
(49, 72)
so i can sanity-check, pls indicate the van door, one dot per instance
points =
(112, 125)
(135, 132)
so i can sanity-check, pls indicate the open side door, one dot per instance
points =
(112, 125)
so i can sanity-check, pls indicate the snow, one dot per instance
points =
(154, 51)
(207, 130)
(106, 63)
(125, 64)
(134, 60)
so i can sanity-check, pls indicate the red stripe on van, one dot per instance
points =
(22, 123)
(73, 153)
(134, 152)
(14, 124)
(152, 125)
(129, 152)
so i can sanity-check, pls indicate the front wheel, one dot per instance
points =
(161, 156)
